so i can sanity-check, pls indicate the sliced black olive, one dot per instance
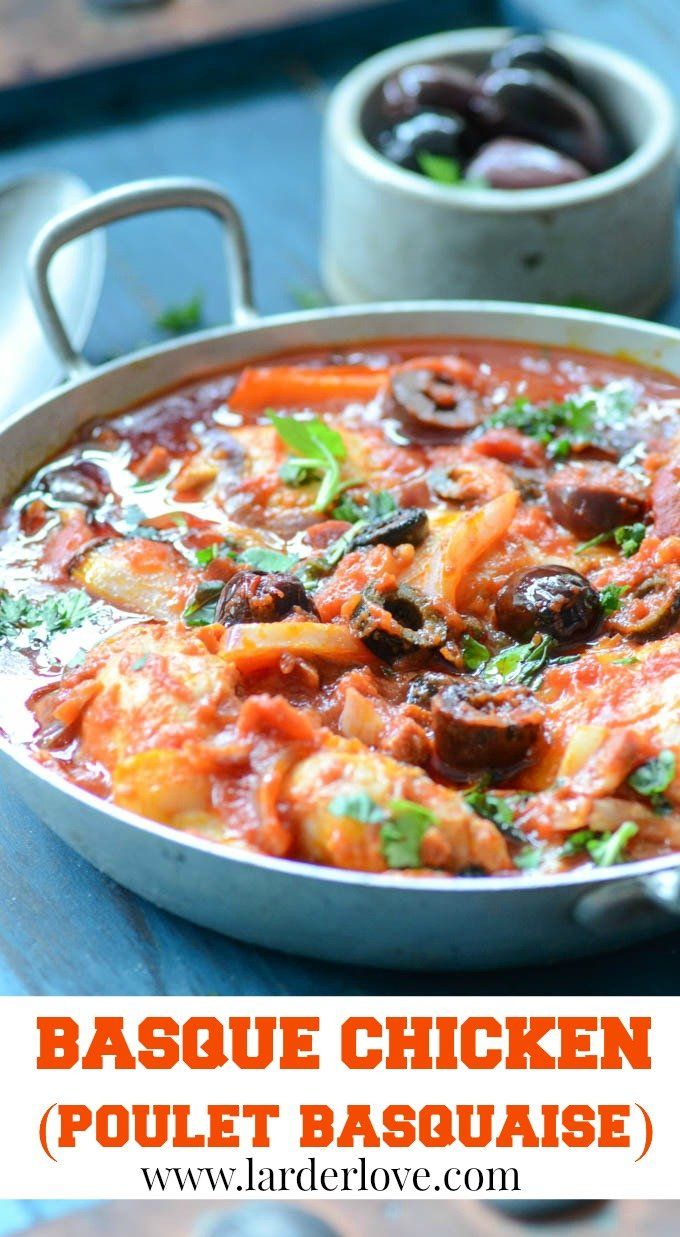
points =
(82, 483)
(438, 133)
(515, 163)
(432, 402)
(650, 611)
(538, 106)
(408, 525)
(554, 600)
(398, 622)
(261, 597)
(589, 500)
(531, 51)
(424, 687)
(425, 87)
(477, 728)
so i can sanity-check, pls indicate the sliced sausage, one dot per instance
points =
(589, 500)
(477, 728)
(666, 500)
(553, 599)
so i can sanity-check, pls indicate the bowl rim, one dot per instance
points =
(345, 132)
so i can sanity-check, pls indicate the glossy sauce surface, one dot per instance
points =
(412, 608)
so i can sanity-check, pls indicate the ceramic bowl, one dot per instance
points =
(606, 241)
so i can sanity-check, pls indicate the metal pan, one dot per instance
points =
(392, 921)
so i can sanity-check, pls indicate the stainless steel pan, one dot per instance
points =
(393, 921)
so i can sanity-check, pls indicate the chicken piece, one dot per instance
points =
(458, 839)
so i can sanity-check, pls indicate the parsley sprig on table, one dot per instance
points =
(403, 824)
(318, 453)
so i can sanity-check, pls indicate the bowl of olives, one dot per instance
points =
(494, 165)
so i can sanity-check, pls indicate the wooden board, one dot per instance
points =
(44, 39)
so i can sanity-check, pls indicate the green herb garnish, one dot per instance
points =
(178, 319)
(610, 597)
(318, 451)
(59, 612)
(528, 858)
(442, 168)
(378, 504)
(403, 824)
(500, 809)
(200, 611)
(309, 298)
(628, 537)
(520, 663)
(313, 569)
(474, 653)
(575, 422)
(605, 849)
(263, 559)
(653, 778)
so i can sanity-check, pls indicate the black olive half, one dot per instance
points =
(650, 611)
(408, 525)
(261, 597)
(554, 600)
(432, 402)
(398, 622)
(479, 728)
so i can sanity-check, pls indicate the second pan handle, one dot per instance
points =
(123, 202)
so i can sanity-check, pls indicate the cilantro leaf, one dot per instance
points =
(357, 806)
(519, 663)
(474, 653)
(654, 777)
(200, 611)
(628, 537)
(58, 612)
(177, 319)
(605, 849)
(319, 448)
(378, 504)
(403, 824)
(401, 836)
(610, 597)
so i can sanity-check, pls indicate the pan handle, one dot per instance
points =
(122, 203)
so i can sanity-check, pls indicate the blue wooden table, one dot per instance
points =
(250, 118)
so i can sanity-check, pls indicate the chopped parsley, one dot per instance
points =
(653, 778)
(314, 569)
(528, 858)
(403, 824)
(628, 537)
(520, 663)
(200, 611)
(610, 597)
(474, 653)
(318, 448)
(178, 319)
(59, 612)
(378, 504)
(263, 559)
(605, 849)
(499, 809)
(575, 422)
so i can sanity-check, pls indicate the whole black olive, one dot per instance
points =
(554, 600)
(408, 525)
(589, 500)
(538, 106)
(435, 87)
(439, 400)
(515, 163)
(398, 622)
(531, 51)
(477, 728)
(437, 133)
(261, 597)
